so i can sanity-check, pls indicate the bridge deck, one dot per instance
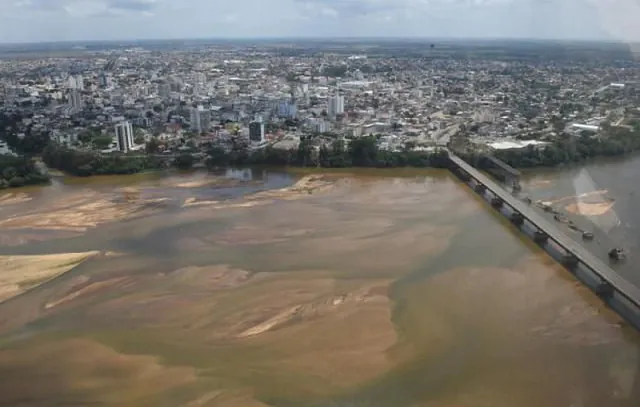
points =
(504, 166)
(625, 288)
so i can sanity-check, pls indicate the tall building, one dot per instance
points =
(318, 125)
(199, 83)
(205, 120)
(164, 90)
(336, 106)
(256, 131)
(287, 109)
(79, 82)
(200, 119)
(124, 136)
(196, 123)
(75, 100)
(104, 81)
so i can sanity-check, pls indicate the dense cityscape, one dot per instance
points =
(121, 108)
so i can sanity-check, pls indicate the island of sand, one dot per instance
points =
(22, 273)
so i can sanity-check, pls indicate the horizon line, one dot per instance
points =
(320, 38)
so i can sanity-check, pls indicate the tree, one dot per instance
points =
(184, 161)
(152, 146)
(364, 151)
(218, 157)
(16, 182)
(102, 142)
(16, 171)
(304, 156)
(139, 139)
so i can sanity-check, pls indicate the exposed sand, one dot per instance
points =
(590, 209)
(12, 198)
(89, 289)
(21, 273)
(82, 212)
(301, 312)
(319, 327)
(593, 194)
(305, 186)
(200, 182)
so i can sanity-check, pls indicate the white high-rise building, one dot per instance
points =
(71, 82)
(336, 106)
(75, 100)
(124, 136)
(79, 82)
(196, 124)
(200, 119)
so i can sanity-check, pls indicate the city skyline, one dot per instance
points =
(95, 20)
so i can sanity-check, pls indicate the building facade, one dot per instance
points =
(256, 131)
(287, 110)
(124, 136)
(75, 100)
(335, 106)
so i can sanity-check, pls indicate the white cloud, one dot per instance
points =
(29, 20)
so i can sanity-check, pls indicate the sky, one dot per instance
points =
(75, 20)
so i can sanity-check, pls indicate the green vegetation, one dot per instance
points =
(361, 152)
(573, 149)
(19, 171)
(152, 145)
(184, 161)
(29, 142)
(102, 142)
(87, 163)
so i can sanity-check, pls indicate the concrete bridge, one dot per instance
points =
(622, 296)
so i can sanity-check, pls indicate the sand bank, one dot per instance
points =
(305, 186)
(21, 273)
(589, 209)
(80, 213)
(599, 194)
(13, 198)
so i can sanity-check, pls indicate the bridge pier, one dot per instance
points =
(517, 218)
(540, 237)
(605, 290)
(497, 202)
(570, 261)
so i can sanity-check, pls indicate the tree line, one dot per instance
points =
(360, 152)
(573, 149)
(86, 163)
(16, 171)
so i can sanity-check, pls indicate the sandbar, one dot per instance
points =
(589, 209)
(21, 273)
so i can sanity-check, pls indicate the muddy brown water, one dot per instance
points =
(387, 289)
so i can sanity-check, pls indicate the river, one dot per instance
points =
(608, 206)
(261, 288)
